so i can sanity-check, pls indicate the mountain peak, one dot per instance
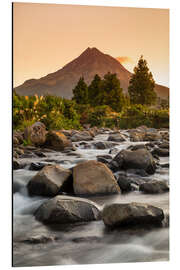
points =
(92, 61)
(92, 51)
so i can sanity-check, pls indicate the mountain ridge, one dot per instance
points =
(87, 64)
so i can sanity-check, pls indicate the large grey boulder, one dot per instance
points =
(137, 159)
(65, 209)
(50, 180)
(36, 134)
(117, 215)
(57, 141)
(93, 177)
(154, 186)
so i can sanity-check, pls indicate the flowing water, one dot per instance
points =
(85, 243)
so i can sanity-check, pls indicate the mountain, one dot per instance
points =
(90, 62)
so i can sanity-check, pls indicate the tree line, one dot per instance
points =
(107, 90)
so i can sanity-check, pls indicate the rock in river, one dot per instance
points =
(154, 186)
(93, 177)
(117, 215)
(57, 141)
(50, 180)
(65, 209)
(117, 137)
(81, 136)
(138, 159)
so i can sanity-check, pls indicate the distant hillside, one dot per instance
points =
(90, 62)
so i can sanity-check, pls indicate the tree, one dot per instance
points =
(94, 90)
(112, 93)
(141, 85)
(80, 92)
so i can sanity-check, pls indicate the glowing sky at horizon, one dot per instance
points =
(48, 36)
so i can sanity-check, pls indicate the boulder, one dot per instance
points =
(57, 141)
(152, 136)
(103, 145)
(124, 183)
(65, 209)
(161, 152)
(136, 136)
(117, 137)
(138, 159)
(36, 166)
(36, 133)
(16, 164)
(154, 187)
(17, 137)
(131, 214)
(50, 180)
(164, 145)
(93, 177)
(104, 158)
(81, 136)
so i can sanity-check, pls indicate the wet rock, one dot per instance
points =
(104, 158)
(131, 214)
(161, 152)
(124, 183)
(93, 177)
(40, 154)
(28, 155)
(36, 166)
(81, 136)
(36, 133)
(16, 164)
(39, 239)
(19, 151)
(103, 145)
(164, 145)
(154, 187)
(138, 159)
(137, 147)
(65, 209)
(136, 136)
(117, 137)
(164, 165)
(57, 141)
(17, 137)
(113, 151)
(49, 181)
(152, 136)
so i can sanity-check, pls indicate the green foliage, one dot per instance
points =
(95, 91)
(54, 112)
(112, 93)
(106, 91)
(80, 92)
(141, 85)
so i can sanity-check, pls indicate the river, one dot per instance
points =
(85, 243)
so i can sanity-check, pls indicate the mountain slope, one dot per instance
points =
(89, 63)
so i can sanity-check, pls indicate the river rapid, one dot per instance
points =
(91, 242)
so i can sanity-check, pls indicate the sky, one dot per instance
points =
(48, 36)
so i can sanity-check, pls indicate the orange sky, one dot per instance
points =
(48, 36)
